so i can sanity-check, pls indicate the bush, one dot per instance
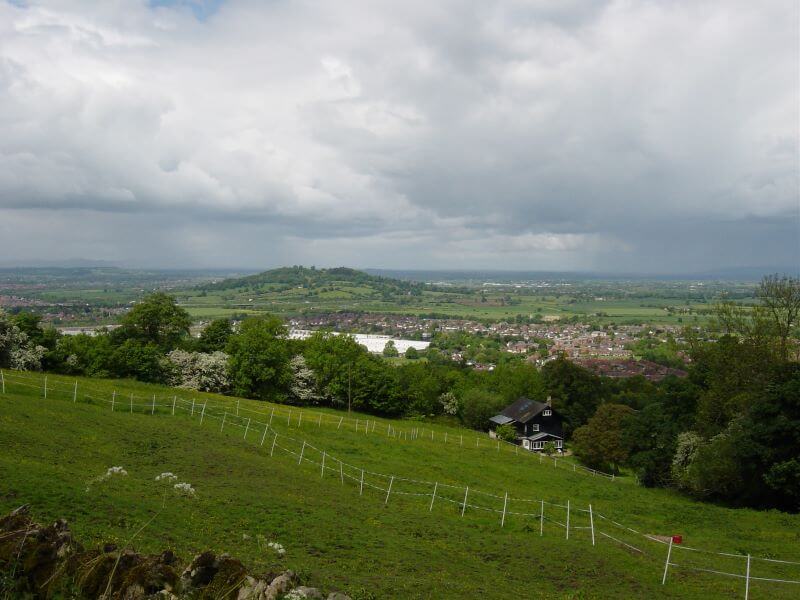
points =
(506, 432)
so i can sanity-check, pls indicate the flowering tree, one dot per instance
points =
(303, 389)
(198, 370)
(17, 351)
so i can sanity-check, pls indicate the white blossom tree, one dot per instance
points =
(204, 372)
(303, 389)
(16, 350)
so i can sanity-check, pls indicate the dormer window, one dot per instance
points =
(547, 412)
(534, 427)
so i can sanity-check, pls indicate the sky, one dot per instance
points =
(613, 136)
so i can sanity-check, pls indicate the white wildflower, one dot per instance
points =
(295, 595)
(184, 488)
(116, 471)
(278, 548)
(167, 477)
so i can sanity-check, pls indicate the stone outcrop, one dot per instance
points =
(45, 561)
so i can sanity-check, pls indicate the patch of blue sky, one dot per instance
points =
(202, 9)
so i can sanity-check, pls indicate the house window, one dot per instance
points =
(558, 443)
(526, 444)
(547, 412)
(534, 427)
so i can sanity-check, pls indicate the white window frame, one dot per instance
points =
(547, 412)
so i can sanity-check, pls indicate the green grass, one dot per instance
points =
(338, 539)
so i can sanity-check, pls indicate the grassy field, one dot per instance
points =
(363, 543)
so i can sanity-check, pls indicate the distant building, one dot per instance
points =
(536, 423)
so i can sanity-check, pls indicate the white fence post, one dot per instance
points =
(237, 407)
(666, 564)
(591, 522)
(113, 400)
(361, 487)
(271, 414)
(747, 580)
(541, 520)
(289, 418)
(322, 471)
(461, 439)
(340, 423)
(464, 506)
(505, 503)
(302, 450)
(225, 416)
(153, 410)
(341, 472)
(263, 436)
(203, 412)
(319, 420)
(433, 496)
(74, 392)
(174, 399)
(300, 419)
(445, 437)
(131, 402)
(356, 423)
(247, 428)
(389, 491)
(274, 440)
(45, 387)
(3, 380)
(567, 519)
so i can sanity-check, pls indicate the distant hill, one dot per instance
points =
(310, 278)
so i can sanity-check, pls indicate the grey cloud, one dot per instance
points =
(509, 134)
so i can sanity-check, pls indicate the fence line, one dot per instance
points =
(481, 442)
(245, 423)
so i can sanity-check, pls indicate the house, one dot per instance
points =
(536, 423)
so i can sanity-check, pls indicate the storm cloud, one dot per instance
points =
(619, 136)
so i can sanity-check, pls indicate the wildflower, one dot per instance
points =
(167, 477)
(109, 473)
(116, 471)
(184, 488)
(278, 548)
(295, 595)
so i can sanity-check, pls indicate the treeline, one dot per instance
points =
(729, 432)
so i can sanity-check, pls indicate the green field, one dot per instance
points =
(339, 538)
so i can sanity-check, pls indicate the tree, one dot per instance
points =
(412, 353)
(303, 390)
(205, 372)
(780, 299)
(139, 360)
(450, 404)
(215, 336)
(599, 443)
(17, 350)
(156, 320)
(576, 392)
(390, 350)
(478, 406)
(259, 359)
(332, 357)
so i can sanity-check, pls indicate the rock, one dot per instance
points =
(338, 596)
(309, 592)
(230, 576)
(282, 584)
(201, 570)
(253, 589)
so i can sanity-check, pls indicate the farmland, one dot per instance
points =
(385, 544)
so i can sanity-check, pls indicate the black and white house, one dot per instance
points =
(536, 423)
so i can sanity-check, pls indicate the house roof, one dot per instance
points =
(522, 411)
(537, 437)
(501, 419)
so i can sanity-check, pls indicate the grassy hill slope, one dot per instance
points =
(337, 537)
